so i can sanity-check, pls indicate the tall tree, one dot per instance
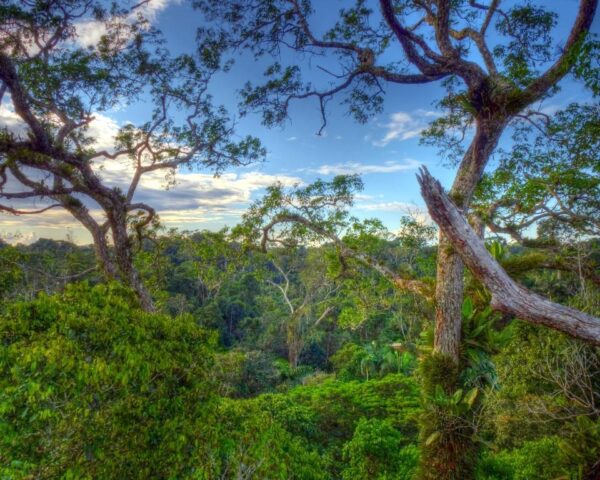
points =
(55, 84)
(495, 63)
(302, 283)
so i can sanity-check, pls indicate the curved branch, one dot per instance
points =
(582, 24)
(16, 211)
(20, 100)
(408, 40)
(507, 295)
(407, 284)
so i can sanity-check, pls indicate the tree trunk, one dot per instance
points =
(124, 259)
(449, 282)
(452, 455)
(507, 295)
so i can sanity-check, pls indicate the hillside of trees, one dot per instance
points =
(302, 342)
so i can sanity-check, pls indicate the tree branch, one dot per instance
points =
(15, 211)
(410, 285)
(507, 295)
(585, 16)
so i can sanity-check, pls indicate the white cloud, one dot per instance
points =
(364, 196)
(17, 237)
(197, 198)
(89, 32)
(10, 120)
(350, 168)
(404, 126)
(292, 139)
(55, 219)
(103, 130)
(200, 192)
(385, 207)
(420, 214)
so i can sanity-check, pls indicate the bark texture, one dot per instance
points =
(507, 295)
(449, 282)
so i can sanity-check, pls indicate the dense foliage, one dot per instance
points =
(304, 343)
(94, 387)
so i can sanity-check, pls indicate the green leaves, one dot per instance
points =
(377, 450)
(528, 29)
(300, 214)
(471, 396)
(467, 308)
(549, 178)
(90, 383)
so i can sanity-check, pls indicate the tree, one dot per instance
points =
(307, 293)
(82, 398)
(488, 88)
(319, 212)
(57, 86)
(507, 295)
(493, 94)
(44, 266)
(549, 178)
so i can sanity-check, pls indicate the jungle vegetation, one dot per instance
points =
(303, 342)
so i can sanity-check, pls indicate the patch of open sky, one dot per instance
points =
(385, 150)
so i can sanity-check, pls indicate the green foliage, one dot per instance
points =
(550, 174)
(587, 64)
(11, 274)
(92, 387)
(438, 370)
(378, 451)
(327, 413)
(529, 28)
(302, 214)
(44, 265)
(535, 460)
(371, 361)
(549, 385)
(347, 361)
(448, 449)
(480, 340)
(244, 440)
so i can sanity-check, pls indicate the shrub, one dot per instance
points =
(378, 451)
(93, 387)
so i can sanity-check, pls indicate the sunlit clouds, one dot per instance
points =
(404, 126)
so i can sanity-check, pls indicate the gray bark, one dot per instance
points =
(449, 281)
(507, 295)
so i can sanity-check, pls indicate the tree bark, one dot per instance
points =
(507, 295)
(449, 281)
(124, 257)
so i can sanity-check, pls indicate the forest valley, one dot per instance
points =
(304, 342)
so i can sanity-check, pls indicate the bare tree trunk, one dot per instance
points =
(507, 295)
(449, 283)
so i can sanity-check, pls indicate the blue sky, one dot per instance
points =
(385, 151)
